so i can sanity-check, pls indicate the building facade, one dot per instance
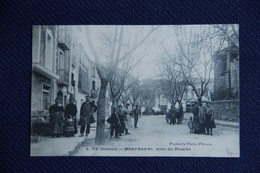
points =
(225, 98)
(60, 68)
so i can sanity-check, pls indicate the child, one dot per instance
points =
(190, 125)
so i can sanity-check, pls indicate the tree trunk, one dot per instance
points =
(114, 102)
(100, 132)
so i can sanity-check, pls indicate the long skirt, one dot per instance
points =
(128, 122)
(57, 124)
(196, 126)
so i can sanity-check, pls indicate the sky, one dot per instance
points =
(151, 50)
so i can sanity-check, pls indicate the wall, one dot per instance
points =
(226, 110)
(36, 93)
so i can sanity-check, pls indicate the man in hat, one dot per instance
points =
(136, 115)
(86, 115)
(115, 123)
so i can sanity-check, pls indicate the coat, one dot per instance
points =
(121, 115)
(210, 123)
(195, 112)
(115, 119)
(86, 113)
(136, 113)
(202, 114)
(70, 109)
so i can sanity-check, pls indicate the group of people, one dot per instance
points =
(175, 115)
(63, 121)
(120, 120)
(203, 119)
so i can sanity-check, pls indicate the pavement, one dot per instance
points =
(217, 122)
(69, 146)
(155, 137)
(62, 146)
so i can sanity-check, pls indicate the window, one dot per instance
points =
(93, 71)
(61, 60)
(83, 80)
(46, 97)
(49, 50)
(72, 79)
(93, 85)
(80, 78)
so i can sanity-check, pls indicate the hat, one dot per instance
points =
(87, 95)
(119, 106)
(127, 104)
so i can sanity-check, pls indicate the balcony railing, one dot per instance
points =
(64, 77)
(64, 39)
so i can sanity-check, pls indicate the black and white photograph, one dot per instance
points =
(135, 90)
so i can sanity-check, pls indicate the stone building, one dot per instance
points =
(44, 69)
(61, 68)
(225, 97)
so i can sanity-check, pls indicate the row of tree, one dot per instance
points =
(118, 49)
(190, 61)
(115, 56)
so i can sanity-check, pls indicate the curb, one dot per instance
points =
(227, 125)
(83, 142)
(221, 124)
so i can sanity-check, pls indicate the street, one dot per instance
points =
(155, 137)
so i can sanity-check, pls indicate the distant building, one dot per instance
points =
(226, 74)
(161, 103)
(225, 95)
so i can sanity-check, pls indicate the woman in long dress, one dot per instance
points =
(56, 118)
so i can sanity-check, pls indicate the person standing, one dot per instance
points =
(210, 123)
(121, 115)
(128, 122)
(86, 116)
(202, 117)
(173, 115)
(136, 115)
(114, 123)
(196, 124)
(56, 118)
(180, 112)
(71, 111)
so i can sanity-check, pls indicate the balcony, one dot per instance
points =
(64, 40)
(64, 77)
(44, 71)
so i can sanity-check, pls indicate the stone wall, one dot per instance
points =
(226, 110)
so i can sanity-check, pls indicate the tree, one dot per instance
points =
(229, 33)
(132, 91)
(172, 83)
(194, 49)
(108, 55)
